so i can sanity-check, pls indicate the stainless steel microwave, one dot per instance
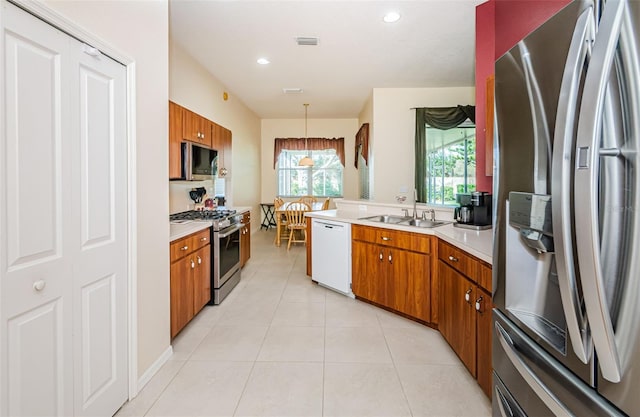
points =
(198, 162)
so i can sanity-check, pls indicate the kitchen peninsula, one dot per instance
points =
(438, 276)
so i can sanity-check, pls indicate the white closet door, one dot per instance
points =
(36, 170)
(63, 225)
(100, 255)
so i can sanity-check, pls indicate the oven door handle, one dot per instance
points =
(229, 232)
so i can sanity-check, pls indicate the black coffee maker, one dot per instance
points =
(473, 211)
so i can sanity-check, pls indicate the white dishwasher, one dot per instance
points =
(331, 255)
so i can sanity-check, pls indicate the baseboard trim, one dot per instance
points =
(154, 368)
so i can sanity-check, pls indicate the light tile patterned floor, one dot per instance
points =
(280, 345)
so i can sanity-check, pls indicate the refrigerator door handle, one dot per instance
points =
(586, 180)
(579, 51)
(541, 390)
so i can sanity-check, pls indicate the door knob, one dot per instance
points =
(39, 285)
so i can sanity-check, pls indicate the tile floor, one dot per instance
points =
(280, 345)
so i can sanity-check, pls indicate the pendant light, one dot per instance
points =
(306, 161)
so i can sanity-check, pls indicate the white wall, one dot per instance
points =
(392, 146)
(140, 30)
(317, 128)
(193, 87)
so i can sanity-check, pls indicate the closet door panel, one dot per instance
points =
(35, 270)
(100, 253)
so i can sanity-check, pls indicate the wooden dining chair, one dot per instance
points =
(296, 221)
(308, 200)
(282, 232)
(325, 205)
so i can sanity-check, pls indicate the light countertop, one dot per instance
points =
(178, 231)
(476, 243)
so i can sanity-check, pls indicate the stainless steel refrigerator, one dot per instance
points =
(567, 227)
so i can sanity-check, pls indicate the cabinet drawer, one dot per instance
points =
(364, 233)
(404, 240)
(458, 260)
(485, 278)
(188, 244)
(201, 238)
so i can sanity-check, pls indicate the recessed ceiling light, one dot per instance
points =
(391, 17)
(263, 61)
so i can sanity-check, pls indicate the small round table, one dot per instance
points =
(269, 215)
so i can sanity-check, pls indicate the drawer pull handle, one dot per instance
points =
(453, 258)
(185, 247)
(385, 238)
(478, 303)
(204, 239)
(467, 295)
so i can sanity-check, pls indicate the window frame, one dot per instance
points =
(468, 124)
(289, 153)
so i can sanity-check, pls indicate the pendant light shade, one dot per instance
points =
(306, 161)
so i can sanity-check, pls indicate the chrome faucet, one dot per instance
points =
(415, 202)
(433, 214)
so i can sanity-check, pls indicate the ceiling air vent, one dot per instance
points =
(292, 90)
(307, 40)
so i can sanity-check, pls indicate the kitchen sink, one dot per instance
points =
(385, 218)
(405, 221)
(424, 223)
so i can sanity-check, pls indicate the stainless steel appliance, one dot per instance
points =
(473, 211)
(225, 253)
(567, 234)
(198, 162)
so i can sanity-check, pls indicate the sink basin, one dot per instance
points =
(385, 218)
(424, 223)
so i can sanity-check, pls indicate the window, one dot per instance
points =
(450, 163)
(323, 179)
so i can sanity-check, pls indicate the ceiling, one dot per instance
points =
(432, 45)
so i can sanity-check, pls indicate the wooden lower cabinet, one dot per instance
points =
(392, 269)
(484, 328)
(245, 239)
(465, 310)
(190, 278)
(457, 314)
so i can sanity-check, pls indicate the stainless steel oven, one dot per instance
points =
(226, 260)
(225, 251)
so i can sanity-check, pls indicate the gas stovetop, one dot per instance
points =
(219, 218)
(202, 215)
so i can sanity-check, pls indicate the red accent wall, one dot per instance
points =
(500, 24)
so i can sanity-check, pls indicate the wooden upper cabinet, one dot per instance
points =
(216, 137)
(175, 140)
(196, 128)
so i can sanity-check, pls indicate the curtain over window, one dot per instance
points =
(440, 118)
(313, 144)
(362, 144)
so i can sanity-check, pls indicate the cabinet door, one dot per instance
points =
(216, 138)
(483, 333)
(181, 293)
(410, 283)
(190, 126)
(201, 278)
(457, 315)
(245, 244)
(175, 140)
(206, 130)
(369, 269)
